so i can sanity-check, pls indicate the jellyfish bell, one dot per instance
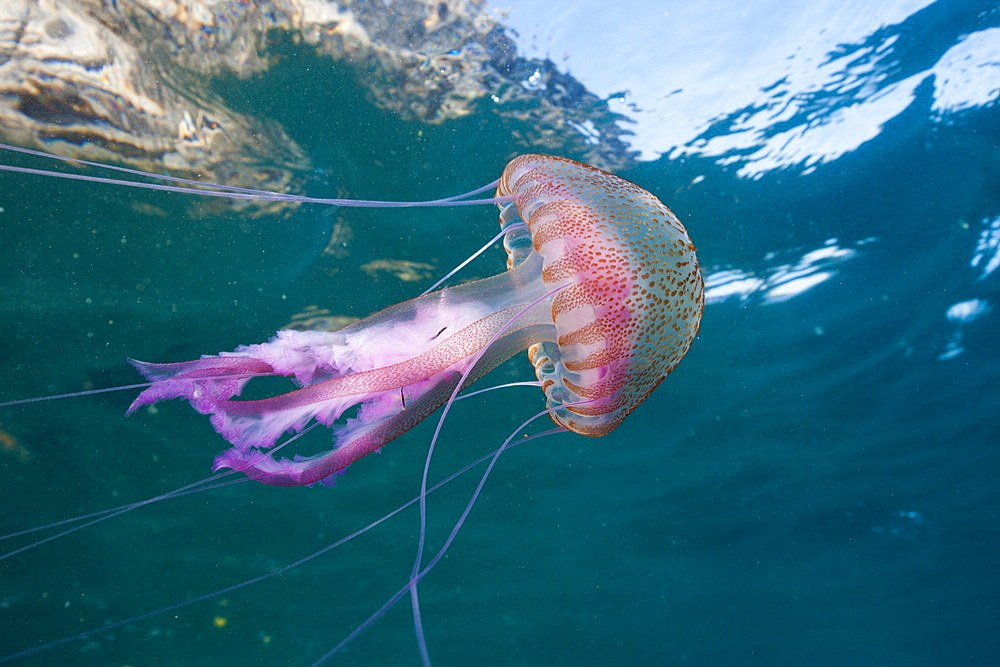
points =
(603, 289)
(634, 292)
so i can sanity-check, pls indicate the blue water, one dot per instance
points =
(815, 484)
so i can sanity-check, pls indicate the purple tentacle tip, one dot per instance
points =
(203, 382)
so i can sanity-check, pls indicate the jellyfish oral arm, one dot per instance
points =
(395, 367)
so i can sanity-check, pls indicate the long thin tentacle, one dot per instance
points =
(231, 191)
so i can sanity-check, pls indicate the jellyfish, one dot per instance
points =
(603, 290)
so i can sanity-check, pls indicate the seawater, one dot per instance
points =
(815, 484)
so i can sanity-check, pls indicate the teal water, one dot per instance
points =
(815, 484)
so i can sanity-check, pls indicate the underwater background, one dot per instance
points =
(815, 484)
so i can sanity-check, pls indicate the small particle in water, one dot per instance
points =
(220, 621)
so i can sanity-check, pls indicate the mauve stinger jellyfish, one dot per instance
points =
(603, 289)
